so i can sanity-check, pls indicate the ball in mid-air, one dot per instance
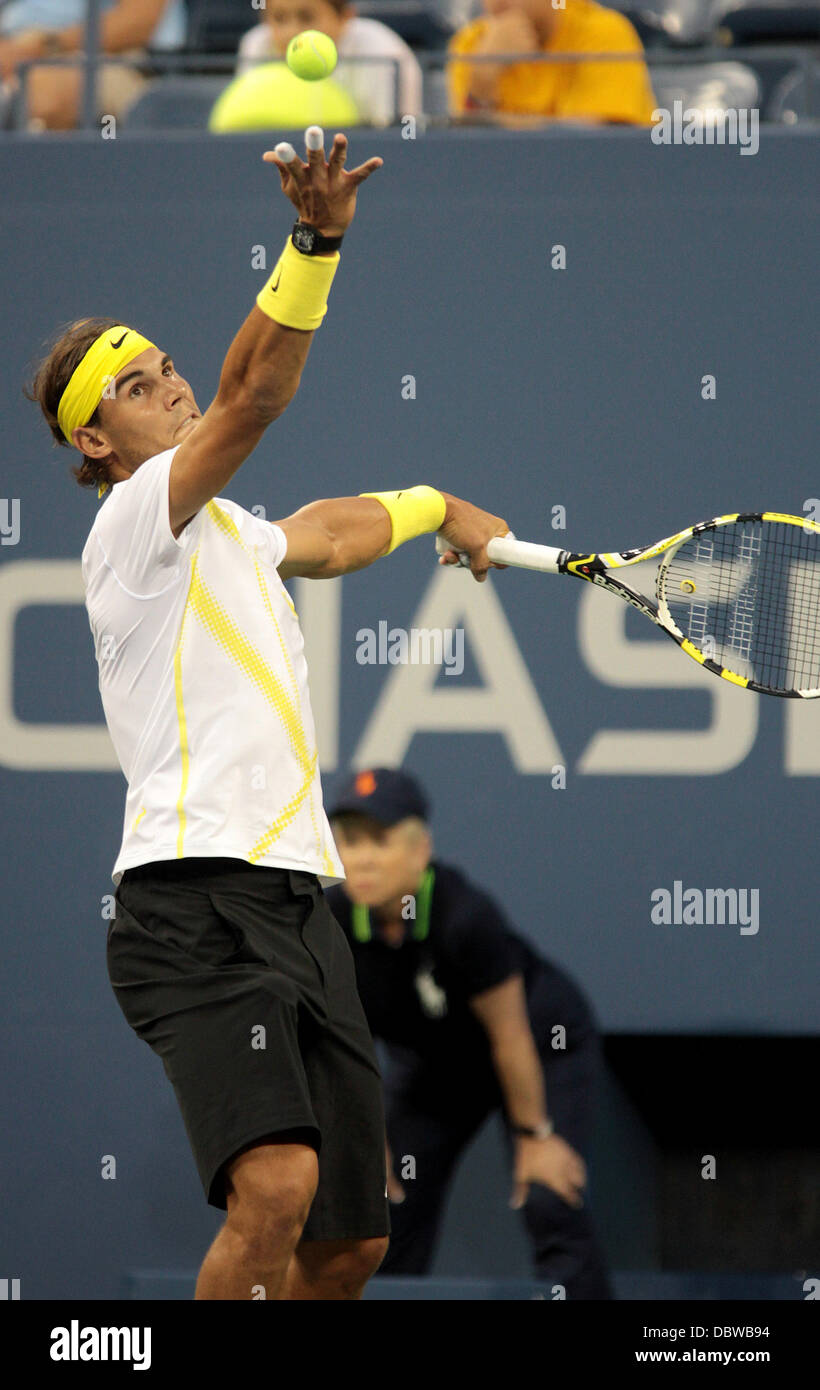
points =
(311, 55)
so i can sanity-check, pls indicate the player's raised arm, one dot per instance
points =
(338, 535)
(262, 369)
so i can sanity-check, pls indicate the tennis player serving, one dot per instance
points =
(224, 955)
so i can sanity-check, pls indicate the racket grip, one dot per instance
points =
(506, 550)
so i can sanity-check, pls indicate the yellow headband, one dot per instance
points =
(105, 359)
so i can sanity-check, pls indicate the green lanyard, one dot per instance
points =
(360, 914)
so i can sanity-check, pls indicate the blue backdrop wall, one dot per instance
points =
(578, 762)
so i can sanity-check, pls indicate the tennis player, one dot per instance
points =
(224, 955)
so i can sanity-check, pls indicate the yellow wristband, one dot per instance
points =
(296, 293)
(413, 511)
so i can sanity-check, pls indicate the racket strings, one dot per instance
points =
(748, 596)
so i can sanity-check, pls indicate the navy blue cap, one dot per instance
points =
(383, 793)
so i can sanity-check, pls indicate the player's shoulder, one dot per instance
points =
(126, 494)
(362, 36)
(249, 526)
(130, 514)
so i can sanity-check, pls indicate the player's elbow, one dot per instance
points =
(337, 561)
(270, 404)
(273, 393)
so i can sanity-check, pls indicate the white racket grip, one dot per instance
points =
(506, 550)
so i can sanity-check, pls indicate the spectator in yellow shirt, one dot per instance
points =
(521, 93)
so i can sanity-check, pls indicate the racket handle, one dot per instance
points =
(506, 550)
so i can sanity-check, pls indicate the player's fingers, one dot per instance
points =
(283, 169)
(283, 151)
(363, 171)
(295, 167)
(338, 153)
(285, 155)
(315, 146)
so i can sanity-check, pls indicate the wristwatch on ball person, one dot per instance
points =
(310, 242)
(543, 1131)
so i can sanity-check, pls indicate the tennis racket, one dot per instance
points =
(740, 594)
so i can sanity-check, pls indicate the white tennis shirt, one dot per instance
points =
(204, 683)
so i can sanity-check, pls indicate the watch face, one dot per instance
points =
(304, 238)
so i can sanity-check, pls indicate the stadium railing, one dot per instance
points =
(781, 80)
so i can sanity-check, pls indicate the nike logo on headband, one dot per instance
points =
(122, 339)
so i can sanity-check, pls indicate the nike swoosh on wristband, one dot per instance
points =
(122, 339)
(275, 287)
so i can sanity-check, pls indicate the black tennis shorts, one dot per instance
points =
(242, 981)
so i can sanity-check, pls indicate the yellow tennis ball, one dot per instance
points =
(312, 55)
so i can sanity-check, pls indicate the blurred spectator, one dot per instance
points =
(56, 29)
(371, 85)
(524, 93)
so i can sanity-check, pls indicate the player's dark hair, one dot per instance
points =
(51, 378)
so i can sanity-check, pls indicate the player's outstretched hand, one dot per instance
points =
(552, 1162)
(322, 191)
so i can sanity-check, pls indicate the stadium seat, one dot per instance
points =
(179, 103)
(434, 100)
(216, 26)
(705, 86)
(796, 97)
(763, 21)
(421, 23)
(669, 22)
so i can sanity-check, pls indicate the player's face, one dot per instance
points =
(151, 411)
(382, 863)
(287, 18)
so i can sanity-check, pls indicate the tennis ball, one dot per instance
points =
(269, 97)
(311, 55)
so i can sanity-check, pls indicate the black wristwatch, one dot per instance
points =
(310, 242)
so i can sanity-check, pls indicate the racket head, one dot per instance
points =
(742, 596)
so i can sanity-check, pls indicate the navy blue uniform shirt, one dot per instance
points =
(416, 995)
